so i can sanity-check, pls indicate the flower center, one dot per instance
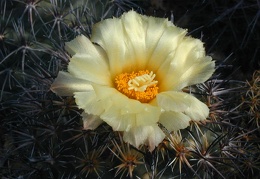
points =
(137, 85)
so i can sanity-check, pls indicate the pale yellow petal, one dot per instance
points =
(155, 29)
(109, 34)
(155, 137)
(123, 113)
(89, 61)
(86, 66)
(152, 39)
(197, 73)
(138, 41)
(90, 121)
(135, 27)
(174, 121)
(88, 101)
(82, 45)
(188, 66)
(65, 84)
(183, 102)
(165, 50)
(149, 135)
(127, 50)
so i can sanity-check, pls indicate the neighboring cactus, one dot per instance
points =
(41, 133)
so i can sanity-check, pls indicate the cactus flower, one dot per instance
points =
(130, 74)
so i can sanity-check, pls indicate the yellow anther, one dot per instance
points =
(137, 85)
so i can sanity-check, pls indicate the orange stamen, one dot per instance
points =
(137, 85)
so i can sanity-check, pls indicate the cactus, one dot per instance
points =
(42, 134)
